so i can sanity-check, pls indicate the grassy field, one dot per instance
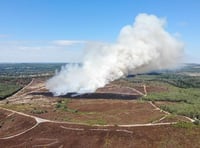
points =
(181, 87)
(8, 85)
(15, 76)
(186, 100)
(177, 92)
(7, 89)
(183, 91)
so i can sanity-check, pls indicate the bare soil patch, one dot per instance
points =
(117, 89)
(53, 135)
(151, 88)
(36, 100)
(11, 124)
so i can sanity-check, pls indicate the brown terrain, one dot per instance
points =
(33, 117)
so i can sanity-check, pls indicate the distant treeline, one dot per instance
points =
(182, 81)
(29, 69)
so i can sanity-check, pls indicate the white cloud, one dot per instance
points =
(38, 51)
(67, 42)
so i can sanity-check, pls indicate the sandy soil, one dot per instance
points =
(11, 123)
(63, 128)
(56, 135)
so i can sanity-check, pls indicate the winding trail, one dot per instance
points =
(126, 87)
(13, 136)
(167, 113)
(157, 108)
(41, 120)
(145, 90)
(94, 127)
(133, 89)
(53, 141)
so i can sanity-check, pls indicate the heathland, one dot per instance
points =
(158, 109)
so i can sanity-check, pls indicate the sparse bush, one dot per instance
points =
(184, 125)
(38, 111)
(63, 105)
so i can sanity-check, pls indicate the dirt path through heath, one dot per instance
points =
(94, 127)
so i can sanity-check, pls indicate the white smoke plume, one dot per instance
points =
(141, 47)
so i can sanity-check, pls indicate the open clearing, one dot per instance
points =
(37, 119)
(35, 100)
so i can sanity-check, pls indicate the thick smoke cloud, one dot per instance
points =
(141, 47)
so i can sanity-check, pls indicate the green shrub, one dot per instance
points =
(38, 111)
(63, 105)
(184, 125)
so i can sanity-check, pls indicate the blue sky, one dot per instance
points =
(56, 30)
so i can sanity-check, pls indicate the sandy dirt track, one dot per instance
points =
(42, 131)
